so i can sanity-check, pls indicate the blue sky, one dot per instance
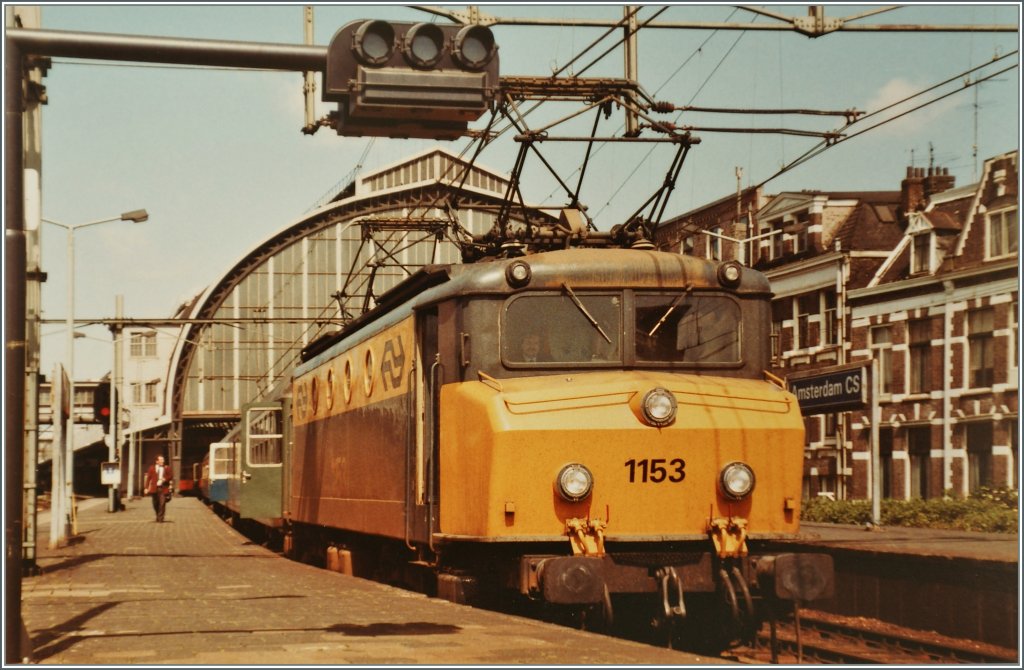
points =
(218, 159)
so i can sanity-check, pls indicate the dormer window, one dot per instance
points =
(921, 254)
(1002, 233)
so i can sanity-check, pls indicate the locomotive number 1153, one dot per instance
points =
(656, 470)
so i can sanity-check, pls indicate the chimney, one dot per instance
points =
(912, 196)
(937, 181)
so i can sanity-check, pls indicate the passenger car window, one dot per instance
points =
(687, 328)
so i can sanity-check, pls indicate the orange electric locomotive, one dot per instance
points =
(591, 429)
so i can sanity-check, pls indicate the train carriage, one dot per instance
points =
(581, 427)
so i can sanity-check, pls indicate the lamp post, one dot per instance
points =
(135, 216)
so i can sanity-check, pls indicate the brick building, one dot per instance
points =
(941, 316)
(925, 280)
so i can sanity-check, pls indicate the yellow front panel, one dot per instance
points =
(502, 450)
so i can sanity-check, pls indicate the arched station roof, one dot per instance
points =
(321, 270)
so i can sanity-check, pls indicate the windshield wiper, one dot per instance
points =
(583, 309)
(671, 308)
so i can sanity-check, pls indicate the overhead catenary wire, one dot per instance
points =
(698, 50)
(692, 98)
(823, 146)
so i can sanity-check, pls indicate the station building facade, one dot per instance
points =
(925, 281)
(240, 338)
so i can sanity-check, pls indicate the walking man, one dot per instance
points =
(158, 484)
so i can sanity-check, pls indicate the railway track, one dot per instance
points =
(828, 638)
(824, 638)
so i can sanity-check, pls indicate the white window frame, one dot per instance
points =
(142, 344)
(1001, 227)
(714, 251)
(883, 351)
(917, 267)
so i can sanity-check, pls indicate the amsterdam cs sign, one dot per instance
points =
(831, 389)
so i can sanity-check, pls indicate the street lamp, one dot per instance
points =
(135, 216)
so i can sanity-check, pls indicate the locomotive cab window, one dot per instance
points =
(562, 328)
(687, 328)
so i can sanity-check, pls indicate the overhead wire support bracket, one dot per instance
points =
(850, 115)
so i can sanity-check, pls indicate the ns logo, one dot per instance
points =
(392, 363)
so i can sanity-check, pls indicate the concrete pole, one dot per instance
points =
(130, 490)
(876, 464)
(15, 255)
(115, 423)
(69, 462)
(57, 491)
(947, 402)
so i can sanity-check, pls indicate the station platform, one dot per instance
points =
(950, 544)
(958, 583)
(193, 591)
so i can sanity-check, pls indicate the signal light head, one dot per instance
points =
(474, 47)
(423, 45)
(374, 42)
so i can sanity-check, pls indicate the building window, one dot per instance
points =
(800, 240)
(781, 311)
(830, 425)
(144, 394)
(919, 444)
(885, 459)
(1015, 339)
(687, 245)
(922, 256)
(1014, 450)
(715, 244)
(979, 336)
(919, 336)
(800, 233)
(1002, 233)
(881, 342)
(830, 324)
(979, 455)
(143, 345)
(776, 240)
(806, 306)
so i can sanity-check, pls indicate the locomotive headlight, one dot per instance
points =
(659, 407)
(575, 482)
(737, 480)
(729, 273)
(518, 274)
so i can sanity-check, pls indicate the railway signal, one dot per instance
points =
(101, 406)
(422, 80)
